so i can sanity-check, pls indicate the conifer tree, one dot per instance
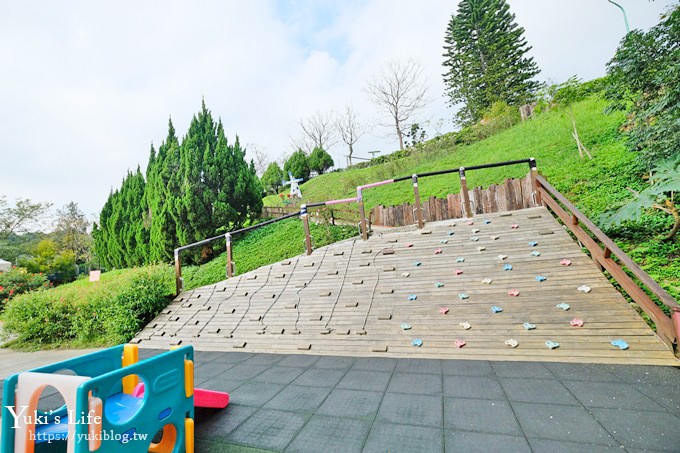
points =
(485, 59)
(273, 178)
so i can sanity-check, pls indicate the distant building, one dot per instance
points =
(5, 265)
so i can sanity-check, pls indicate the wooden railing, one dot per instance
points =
(608, 256)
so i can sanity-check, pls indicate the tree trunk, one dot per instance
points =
(401, 138)
(674, 212)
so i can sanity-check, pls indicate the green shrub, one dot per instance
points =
(18, 281)
(84, 313)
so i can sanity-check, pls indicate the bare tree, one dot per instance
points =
(317, 132)
(260, 158)
(399, 89)
(350, 129)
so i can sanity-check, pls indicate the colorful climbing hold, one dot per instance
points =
(540, 278)
(405, 274)
(552, 344)
(450, 233)
(584, 289)
(565, 263)
(444, 241)
(513, 292)
(438, 251)
(474, 239)
(471, 222)
(405, 326)
(535, 253)
(463, 296)
(417, 263)
(576, 322)
(452, 224)
(481, 249)
(459, 343)
(514, 226)
(563, 306)
(511, 342)
(409, 245)
(496, 309)
(438, 284)
(444, 310)
(487, 221)
(620, 344)
(460, 259)
(417, 342)
(502, 257)
(529, 326)
(507, 267)
(475, 230)
(486, 281)
(494, 238)
(533, 244)
(458, 271)
(412, 297)
(465, 325)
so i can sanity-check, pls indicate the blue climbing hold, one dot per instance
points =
(474, 239)
(405, 326)
(535, 253)
(450, 233)
(417, 263)
(463, 296)
(460, 259)
(507, 267)
(412, 297)
(552, 344)
(540, 278)
(533, 244)
(496, 309)
(563, 306)
(529, 326)
(620, 344)
(438, 284)
(487, 221)
(417, 342)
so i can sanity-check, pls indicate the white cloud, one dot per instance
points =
(85, 87)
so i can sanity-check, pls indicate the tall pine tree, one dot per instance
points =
(485, 59)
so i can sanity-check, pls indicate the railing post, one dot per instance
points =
(675, 316)
(464, 193)
(230, 257)
(416, 198)
(178, 273)
(533, 171)
(362, 215)
(305, 225)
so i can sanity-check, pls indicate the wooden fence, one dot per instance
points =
(332, 214)
(513, 194)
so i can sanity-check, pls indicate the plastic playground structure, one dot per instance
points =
(113, 403)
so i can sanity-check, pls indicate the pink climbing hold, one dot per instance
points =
(513, 292)
(514, 226)
(444, 310)
(459, 343)
(409, 245)
(565, 263)
(471, 222)
(458, 271)
(576, 322)
(437, 251)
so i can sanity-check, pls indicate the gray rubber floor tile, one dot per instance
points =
(210, 370)
(231, 357)
(264, 359)
(343, 363)
(351, 403)
(299, 399)
(548, 391)
(279, 374)
(389, 437)
(255, 393)
(330, 435)
(201, 357)
(641, 429)
(421, 410)
(365, 380)
(469, 442)
(219, 424)
(488, 416)
(268, 428)
(299, 360)
(581, 372)
(425, 366)
(666, 395)
(320, 377)
(375, 364)
(560, 446)
(640, 374)
(521, 370)
(419, 384)
(241, 371)
(467, 368)
(473, 387)
(611, 395)
(564, 423)
(219, 384)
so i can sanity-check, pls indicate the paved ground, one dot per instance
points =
(344, 404)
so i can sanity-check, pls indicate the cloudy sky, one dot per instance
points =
(87, 86)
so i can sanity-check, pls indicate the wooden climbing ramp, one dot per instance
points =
(502, 286)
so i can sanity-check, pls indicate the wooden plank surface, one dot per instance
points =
(351, 298)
